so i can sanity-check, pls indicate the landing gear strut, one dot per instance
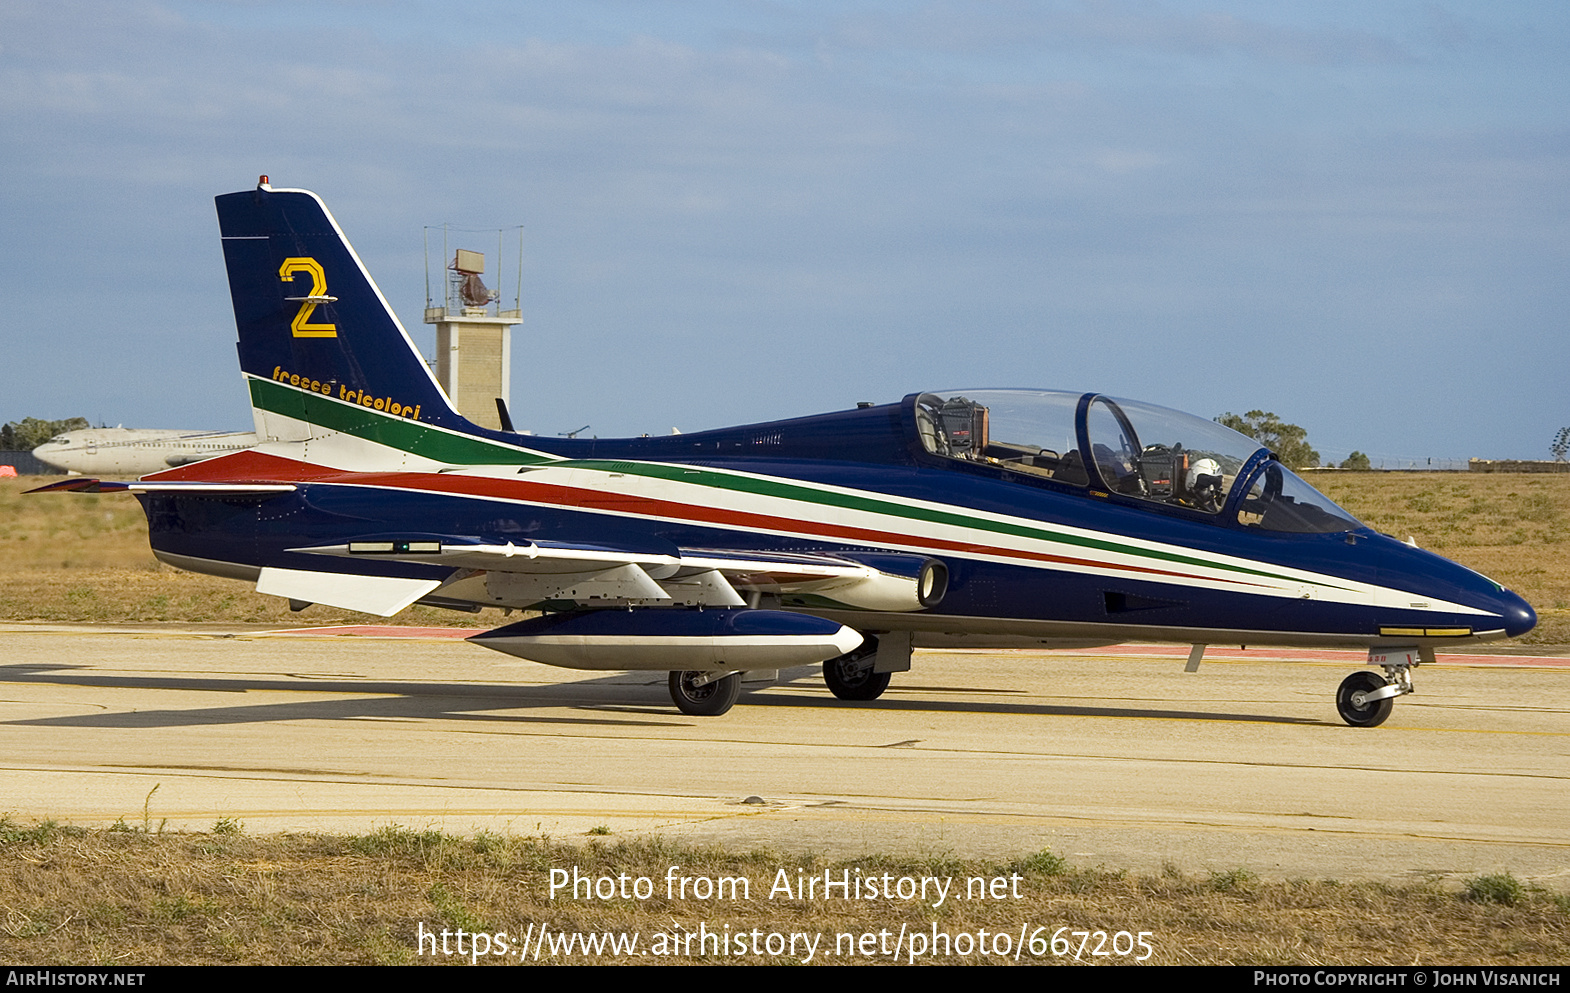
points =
(703, 694)
(851, 676)
(1365, 699)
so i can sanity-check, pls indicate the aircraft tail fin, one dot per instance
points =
(322, 352)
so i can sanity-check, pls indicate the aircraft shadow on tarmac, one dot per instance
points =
(611, 694)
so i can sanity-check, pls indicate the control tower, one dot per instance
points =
(473, 340)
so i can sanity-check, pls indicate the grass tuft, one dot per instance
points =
(1502, 888)
(1232, 881)
(42, 833)
(1043, 863)
(396, 841)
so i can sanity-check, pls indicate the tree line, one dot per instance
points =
(30, 432)
(1288, 441)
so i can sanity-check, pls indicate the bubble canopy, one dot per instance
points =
(1154, 455)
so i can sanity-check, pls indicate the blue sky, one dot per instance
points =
(1354, 215)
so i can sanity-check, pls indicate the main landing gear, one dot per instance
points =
(704, 694)
(851, 676)
(1365, 699)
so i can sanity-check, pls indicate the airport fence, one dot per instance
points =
(26, 464)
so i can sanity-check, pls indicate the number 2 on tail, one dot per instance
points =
(301, 325)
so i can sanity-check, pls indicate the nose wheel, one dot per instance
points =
(1354, 704)
(1365, 699)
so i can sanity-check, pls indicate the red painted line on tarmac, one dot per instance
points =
(1150, 651)
(381, 631)
(1305, 655)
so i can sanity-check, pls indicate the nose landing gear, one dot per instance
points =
(1365, 699)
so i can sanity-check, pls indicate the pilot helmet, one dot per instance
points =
(1200, 469)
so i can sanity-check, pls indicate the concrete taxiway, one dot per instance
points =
(1115, 757)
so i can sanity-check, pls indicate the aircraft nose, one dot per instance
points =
(1417, 569)
(1519, 617)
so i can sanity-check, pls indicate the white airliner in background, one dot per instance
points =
(137, 452)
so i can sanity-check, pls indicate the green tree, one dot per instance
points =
(1288, 441)
(30, 432)
(1561, 445)
(1357, 460)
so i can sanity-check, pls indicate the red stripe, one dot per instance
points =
(255, 467)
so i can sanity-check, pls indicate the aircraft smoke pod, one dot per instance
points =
(734, 639)
(950, 518)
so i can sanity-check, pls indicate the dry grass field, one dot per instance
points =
(131, 896)
(1512, 527)
(85, 558)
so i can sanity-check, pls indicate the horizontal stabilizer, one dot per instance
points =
(193, 488)
(383, 595)
(223, 489)
(80, 485)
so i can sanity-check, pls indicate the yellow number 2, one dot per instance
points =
(300, 325)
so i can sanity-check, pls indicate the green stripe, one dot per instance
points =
(457, 449)
(404, 434)
(772, 487)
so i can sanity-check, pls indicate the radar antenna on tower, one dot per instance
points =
(473, 331)
(466, 269)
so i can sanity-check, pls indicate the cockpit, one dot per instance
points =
(1148, 453)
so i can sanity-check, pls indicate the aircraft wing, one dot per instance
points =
(520, 574)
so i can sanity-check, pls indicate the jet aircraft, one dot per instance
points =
(972, 518)
(137, 451)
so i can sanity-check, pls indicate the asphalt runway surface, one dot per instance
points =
(1115, 757)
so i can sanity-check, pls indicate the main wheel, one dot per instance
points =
(850, 677)
(1366, 715)
(709, 700)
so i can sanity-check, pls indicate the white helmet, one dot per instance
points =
(1201, 468)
